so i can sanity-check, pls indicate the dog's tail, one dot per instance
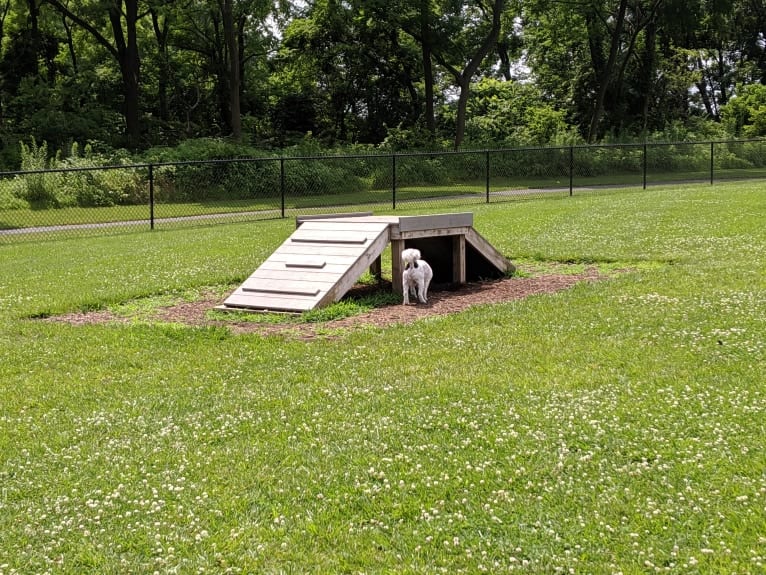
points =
(410, 257)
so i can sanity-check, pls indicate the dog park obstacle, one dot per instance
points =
(326, 254)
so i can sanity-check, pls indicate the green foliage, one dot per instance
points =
(39, 190)
(745, 114)
(77, 180)
(514, 114)
(13, 193)
(256, 175)
(352, 72)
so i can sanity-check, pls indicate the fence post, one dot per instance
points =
(487, 168)
(571, 170)
(151, 196)
(393, 180)
(644, 166)
(712, 145)
(282, 185)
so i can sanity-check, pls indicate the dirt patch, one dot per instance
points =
(195, 313)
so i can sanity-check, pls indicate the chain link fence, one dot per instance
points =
(46, 204)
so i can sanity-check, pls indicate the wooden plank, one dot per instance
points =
(303, 274)
(345, 225)
(299, 254)
(284, 287)
(323, 250)
(299, 220)
(306, 262)
(428, 233)
(362, 219)
(270, 303)
(267, 270)
(396, 265)
(336, 267)
(458, 259)
(435, 222)
(332, 238)
(289, 281)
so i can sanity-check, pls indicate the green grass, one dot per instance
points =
(376, 199)
(616, 427)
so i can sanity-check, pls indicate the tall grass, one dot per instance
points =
(613, 428)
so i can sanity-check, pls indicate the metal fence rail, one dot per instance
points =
(74, 202)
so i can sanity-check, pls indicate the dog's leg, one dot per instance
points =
(418, 289)
(427, 277)
(405, 291)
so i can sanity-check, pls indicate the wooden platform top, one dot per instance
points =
(405, 223)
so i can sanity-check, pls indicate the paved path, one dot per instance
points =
(261, 214)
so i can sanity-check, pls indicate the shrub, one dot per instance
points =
(217, 180)
(321, 176)
(37, 191)
(12, 194)
(87, 186)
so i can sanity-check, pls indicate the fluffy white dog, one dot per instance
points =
(416, 276)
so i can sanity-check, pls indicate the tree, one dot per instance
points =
(620, 29)
(123, 18)
(353, 59)
(467, 34)
(231, 32)
(745, 114)
(225, 34)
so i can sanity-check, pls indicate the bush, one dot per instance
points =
(12, 193)
(37, 189)
(216, 180)
(322, 176)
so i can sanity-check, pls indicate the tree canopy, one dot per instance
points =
(141, 73)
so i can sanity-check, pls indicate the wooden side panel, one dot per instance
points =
(428, 233)
(489, 252)
(347, 281)
(436, 222)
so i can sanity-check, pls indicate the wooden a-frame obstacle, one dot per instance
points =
(326, 255)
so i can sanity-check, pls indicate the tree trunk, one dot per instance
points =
(70, 44)
(505, 61)
(130, 65)
(647, 74)
(606, 75)
(3, 14)
(462, 106)
(428, 73)
(463, 79)
(232, 47)
(163, 73)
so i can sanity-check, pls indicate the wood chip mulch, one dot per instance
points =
(442, 302)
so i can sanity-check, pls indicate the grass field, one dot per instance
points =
(617, 427)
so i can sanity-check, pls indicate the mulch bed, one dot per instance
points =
(439, 303)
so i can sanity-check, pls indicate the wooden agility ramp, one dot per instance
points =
(325, 256)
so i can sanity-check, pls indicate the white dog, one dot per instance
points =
(416, 276)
